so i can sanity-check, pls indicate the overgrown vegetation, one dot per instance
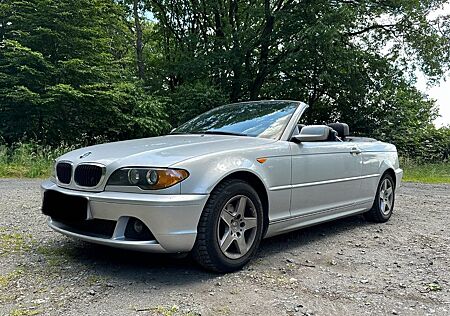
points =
(427, 172)
(79, 72)
(35, 161)
(29, 159)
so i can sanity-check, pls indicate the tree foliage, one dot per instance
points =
(63, 78)
(351, 61)
(72, 70)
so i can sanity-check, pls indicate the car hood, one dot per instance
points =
(161, 151)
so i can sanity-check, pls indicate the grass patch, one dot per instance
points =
(166, 311)
(13, 242)
(56, 255)
(427, 172)
(7, 293)
(5, 280)
(25, 312)
(29, 160)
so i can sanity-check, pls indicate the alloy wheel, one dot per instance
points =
(237, 227)
(386, 196)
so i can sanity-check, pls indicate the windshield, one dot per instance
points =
(266, 119)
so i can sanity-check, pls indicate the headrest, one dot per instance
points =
(341, 129)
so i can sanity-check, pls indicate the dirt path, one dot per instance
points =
(343, 267)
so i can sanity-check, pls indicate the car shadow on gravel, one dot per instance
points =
(300, 238)
(126, 267)
(122, 266)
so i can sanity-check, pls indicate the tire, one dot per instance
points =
(383, 204)
(229, 236)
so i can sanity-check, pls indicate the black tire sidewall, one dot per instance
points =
(235, 188)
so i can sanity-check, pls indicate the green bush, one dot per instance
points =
(424, 146)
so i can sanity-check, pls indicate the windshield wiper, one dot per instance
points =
(222, 133)
(212, 132)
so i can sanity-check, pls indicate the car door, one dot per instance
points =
(326, 176)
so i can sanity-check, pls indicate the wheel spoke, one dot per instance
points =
(389, 191)
(226, 217)
(226, 241)
(242, 245)
(240, 208)
(382, 206)
(250, 222)
(389, 203)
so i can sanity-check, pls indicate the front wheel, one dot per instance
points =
(230, 228)
(383, 204)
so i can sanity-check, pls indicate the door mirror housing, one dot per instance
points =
(313, 133)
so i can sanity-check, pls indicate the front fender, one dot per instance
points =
(207, 171)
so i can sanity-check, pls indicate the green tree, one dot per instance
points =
(65, 74)
(80, 71)
(335, 55)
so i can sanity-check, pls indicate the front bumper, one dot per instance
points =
(172, 219)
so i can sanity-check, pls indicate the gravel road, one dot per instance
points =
(339, 268)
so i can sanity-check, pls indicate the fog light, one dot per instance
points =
(138, 227)
(137, 230)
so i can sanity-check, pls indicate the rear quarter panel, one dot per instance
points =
(377, 158)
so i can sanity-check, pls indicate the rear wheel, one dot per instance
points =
(230, 228)
(383, 205)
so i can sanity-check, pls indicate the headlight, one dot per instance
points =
(148, 178)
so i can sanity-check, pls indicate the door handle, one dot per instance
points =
(355, 151)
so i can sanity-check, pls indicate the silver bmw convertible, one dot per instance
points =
(218, 184)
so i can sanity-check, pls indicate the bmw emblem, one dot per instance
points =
(85, 154)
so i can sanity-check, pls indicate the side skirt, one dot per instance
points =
(290, 224)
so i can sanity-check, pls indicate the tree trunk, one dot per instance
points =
(139, 41)
(236, 62)
(263, 67)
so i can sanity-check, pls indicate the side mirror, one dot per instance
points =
(313, 133)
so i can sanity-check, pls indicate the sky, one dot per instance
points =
(441, 91)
